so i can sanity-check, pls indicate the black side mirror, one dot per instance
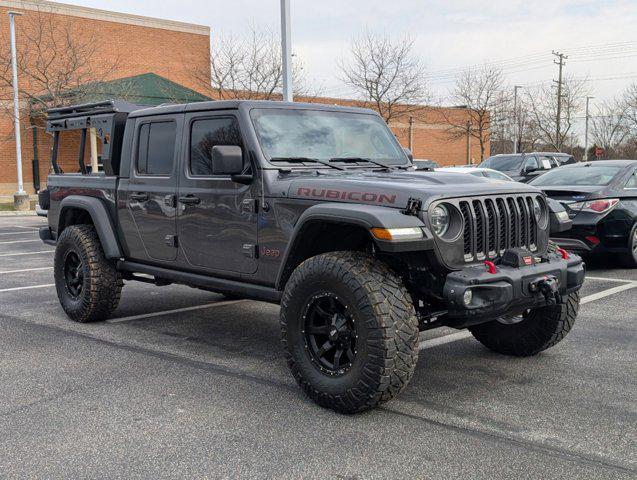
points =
(410, 155)
(227, 160)
(530, 169)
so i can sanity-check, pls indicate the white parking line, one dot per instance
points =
(20, 226)
(26, 270)
(452, 337)
(25, 253)
(604, 279)
(16, 233)
(26, 288)
(606, 293)
(176, 310)
(20, 241)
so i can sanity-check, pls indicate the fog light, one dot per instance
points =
(467, 297)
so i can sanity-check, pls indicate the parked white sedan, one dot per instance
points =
(478, 172)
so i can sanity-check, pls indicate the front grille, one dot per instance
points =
(492, 225)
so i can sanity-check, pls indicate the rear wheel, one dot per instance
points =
(88, 286)
(349, 331)
(629, 259)
(530, 332)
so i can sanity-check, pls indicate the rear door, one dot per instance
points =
(152, 189)
(217, 217)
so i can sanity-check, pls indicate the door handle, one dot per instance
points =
(189, 200)
(142, 197)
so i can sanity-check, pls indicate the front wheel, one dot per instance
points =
(530, 332)
(349, 331)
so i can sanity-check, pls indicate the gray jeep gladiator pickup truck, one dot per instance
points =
(317, 208)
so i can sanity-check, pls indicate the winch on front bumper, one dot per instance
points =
(511, 284)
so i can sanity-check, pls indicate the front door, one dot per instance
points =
(217, 218)
(152, 188)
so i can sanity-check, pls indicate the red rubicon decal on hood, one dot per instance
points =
(368, 197)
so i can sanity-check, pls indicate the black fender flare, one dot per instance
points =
(101, 220)
(366, 216)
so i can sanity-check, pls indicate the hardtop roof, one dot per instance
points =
(235, 104)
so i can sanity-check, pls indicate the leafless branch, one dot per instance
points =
(387, 74)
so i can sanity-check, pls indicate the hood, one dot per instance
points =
(395, 188)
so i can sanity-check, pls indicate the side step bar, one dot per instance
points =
(220, 285)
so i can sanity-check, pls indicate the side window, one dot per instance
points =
(632, 181)
(546, 163)
(207, 133)
(530, 162)
(156, 148)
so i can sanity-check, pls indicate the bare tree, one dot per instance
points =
(57, 63)
(387, 74)
(249, 67)
(480, 94)
(628, 104)
(608, 126)
(542, 104)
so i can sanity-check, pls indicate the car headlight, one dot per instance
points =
(537, 209)
(439, 218)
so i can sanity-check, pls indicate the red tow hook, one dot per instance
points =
(563, 252)
(490, 267)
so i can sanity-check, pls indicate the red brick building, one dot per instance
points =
(164, 53)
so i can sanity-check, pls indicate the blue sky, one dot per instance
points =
(448, 34)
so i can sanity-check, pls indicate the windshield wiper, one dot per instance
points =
(304, 160)
(363, 159)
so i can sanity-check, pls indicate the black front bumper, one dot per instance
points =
(509, 290)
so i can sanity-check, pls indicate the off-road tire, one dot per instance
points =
(101, 283)
(629, 259)
(386, 329)
(540, 329)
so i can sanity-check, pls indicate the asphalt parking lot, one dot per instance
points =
(184, 383)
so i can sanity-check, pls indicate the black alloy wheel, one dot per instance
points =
(73, 274)
(330, 334)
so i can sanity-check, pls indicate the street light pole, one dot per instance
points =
(19, 200)
(586, 131)
(286, 50)
(515, 118)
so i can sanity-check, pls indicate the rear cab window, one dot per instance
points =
(156, 148)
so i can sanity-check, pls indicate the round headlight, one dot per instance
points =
(440, 220)
(537, 209)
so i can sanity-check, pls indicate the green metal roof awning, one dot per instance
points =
(148, 89)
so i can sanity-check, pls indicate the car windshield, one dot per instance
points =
(325, 135)
(595, 175)
(502, 163)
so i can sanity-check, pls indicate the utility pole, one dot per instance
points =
(285, 50)
(20, 199)
(516, 130)
(561, 57)
(586, 131)
(411, 133)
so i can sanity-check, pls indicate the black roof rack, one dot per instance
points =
(107, 118)
(97, 108)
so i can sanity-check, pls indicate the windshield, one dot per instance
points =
(502, 163)
(577, 176)
(325, 135)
